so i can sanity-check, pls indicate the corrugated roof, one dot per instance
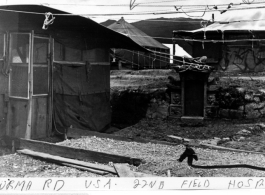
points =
(94, 35)
(238, 21)
(135, 34)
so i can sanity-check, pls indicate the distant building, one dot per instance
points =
(157, 58)
(235, 42)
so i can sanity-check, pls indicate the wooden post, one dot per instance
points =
(168, 173)
(8, 86)
(182, 93)
(50, 79)
(205, 96)
(174, 48)
(30, 84)
(138, 60)
(119, 65)
(13, 146)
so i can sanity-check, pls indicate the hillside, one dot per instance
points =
(108, 22)
(163, 27)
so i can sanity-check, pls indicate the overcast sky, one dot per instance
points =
(102, 7)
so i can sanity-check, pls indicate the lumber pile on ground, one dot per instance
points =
(120, 169)
(91, 167)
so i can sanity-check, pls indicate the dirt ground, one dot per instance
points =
(160, 158)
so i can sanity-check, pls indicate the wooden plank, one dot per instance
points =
(75, 153)
(28, 132)
(179, 138)
(3, 114)
(39, 117)
(86, 169)
(50, 79)
(123, 170)
(59, 159)
(18, 117)
(196, 143)
(78, 133)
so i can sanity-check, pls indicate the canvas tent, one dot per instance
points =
(137, 59)
(236, 40)
(56, 77)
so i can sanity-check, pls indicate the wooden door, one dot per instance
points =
(19, 60)
(28, 86)
(40, 95)
(194, 98)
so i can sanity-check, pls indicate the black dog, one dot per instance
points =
(190, 153)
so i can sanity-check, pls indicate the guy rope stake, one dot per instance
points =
(190, 154)
(49, 19)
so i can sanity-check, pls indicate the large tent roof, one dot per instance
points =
(94, 35)
(233, 21)
(135, 34)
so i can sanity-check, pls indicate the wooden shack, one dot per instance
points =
(54, 71)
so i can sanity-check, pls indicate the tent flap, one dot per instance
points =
(81, 97)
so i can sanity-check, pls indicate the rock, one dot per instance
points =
(241, 108)
(217, 138)
(241, 139)
(236, 137)
(231, 114)
(153, 100)
(252, 115)
(251, 128)
(162, 111)
(253, 110)
(224, 113)
(262, 126)
(256, 129)
(262, 91)
(256, 99)
(249, 97)
(154, 115)
(243, 132)
(241, 89)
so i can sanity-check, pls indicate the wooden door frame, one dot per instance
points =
(28, 132)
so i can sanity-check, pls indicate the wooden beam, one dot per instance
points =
(28, 132)
(86, 169)
(123, 170)
(67, 161)
(75, 153)
(197, 143)
(179, 138)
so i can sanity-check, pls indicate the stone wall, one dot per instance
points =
(237, 102)
(129, 106)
